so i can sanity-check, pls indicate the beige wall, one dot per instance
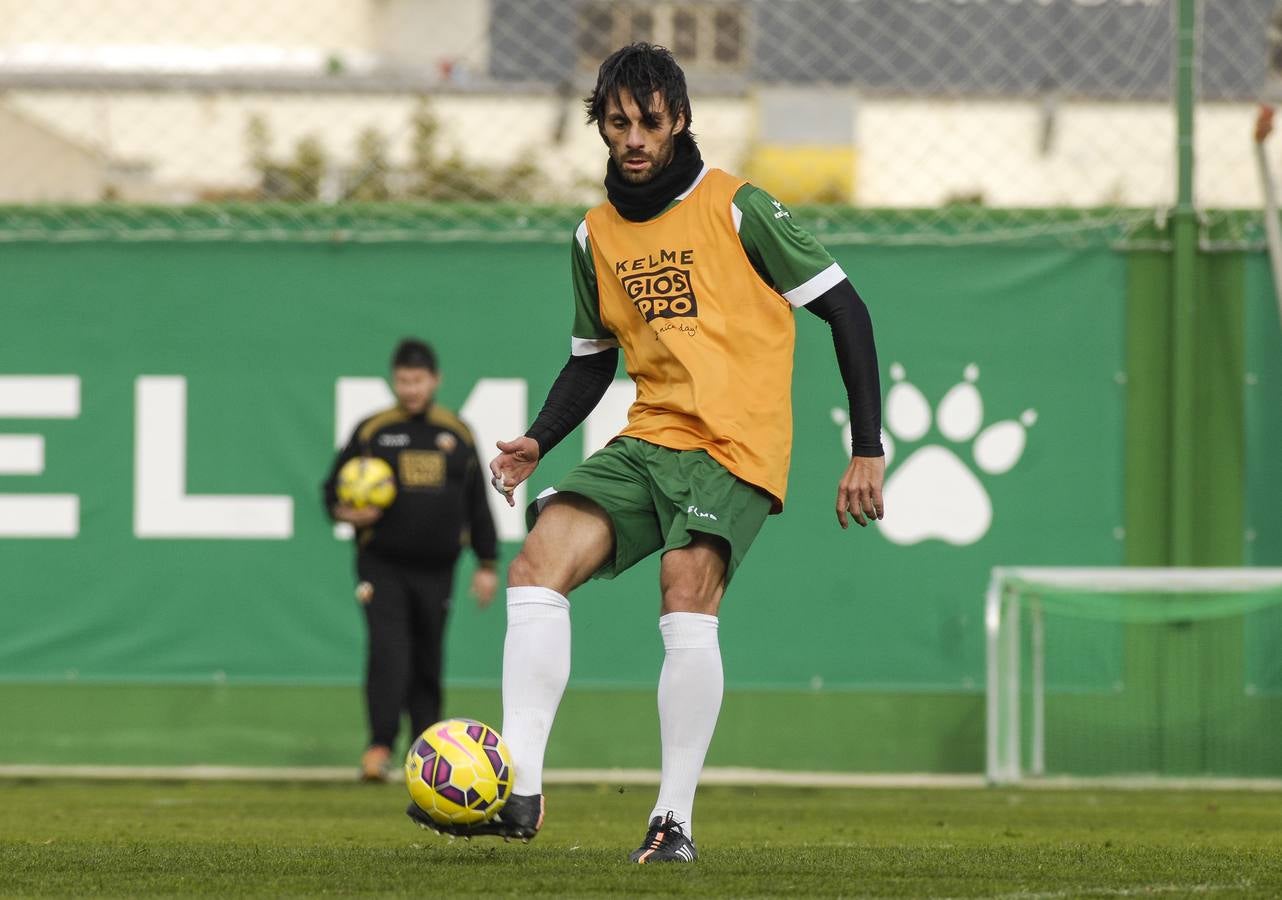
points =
(198, 23)
(909, 153)
(226, 34)
(423, 34)
(198, 143)
(924, 153)
(41, 166)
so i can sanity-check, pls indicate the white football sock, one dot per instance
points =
(690, 688)
(536, 666)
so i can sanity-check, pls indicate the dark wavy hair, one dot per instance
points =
(642, 69)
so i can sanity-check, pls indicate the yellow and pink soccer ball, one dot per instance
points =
(459, 772)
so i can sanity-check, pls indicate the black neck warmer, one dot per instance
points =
(642, 202)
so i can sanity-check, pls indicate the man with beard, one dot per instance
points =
(694, 274)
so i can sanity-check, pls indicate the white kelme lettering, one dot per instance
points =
(36, 397)
(496, 409)
(162, 506)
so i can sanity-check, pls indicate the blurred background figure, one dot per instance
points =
(405, 553)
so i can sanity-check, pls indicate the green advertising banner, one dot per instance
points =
(167, 412)
(1263, 387)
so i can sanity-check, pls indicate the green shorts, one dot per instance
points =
(656, 497)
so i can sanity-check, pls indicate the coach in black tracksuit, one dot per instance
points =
(405, 554)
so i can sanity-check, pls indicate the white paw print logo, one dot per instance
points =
(933, 493)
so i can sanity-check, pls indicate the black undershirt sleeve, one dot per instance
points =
(575, 393)
(844, 311)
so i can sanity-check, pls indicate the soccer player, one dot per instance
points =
(694, 274)
(406, 554)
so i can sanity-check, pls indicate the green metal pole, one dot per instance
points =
(1183, 299)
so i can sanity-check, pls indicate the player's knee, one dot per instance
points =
(689, 598)
(540, 565)
(536, 566)
(524, 571)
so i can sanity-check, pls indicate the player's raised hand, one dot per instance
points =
(859, 491)
(516, 460)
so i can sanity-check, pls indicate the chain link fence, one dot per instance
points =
(882, 120)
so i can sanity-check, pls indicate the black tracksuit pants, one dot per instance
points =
(406, 629)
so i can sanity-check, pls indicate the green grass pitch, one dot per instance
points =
(130, 839)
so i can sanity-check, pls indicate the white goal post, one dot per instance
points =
(1016, 591)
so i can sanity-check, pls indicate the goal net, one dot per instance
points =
(1137, 672)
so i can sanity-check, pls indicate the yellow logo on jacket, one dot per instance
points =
(421, 468)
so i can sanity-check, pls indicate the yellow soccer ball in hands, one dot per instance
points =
(366, 481)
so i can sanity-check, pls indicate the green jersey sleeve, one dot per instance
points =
(588, 335)
(785, 255)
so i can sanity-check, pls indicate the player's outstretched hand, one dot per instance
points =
(859, 491)
(516, 460)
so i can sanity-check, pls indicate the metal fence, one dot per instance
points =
(897, 120)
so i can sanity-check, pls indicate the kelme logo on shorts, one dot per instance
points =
(665, 293)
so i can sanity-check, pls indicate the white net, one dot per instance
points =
(892, 120)
(1134, 673)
